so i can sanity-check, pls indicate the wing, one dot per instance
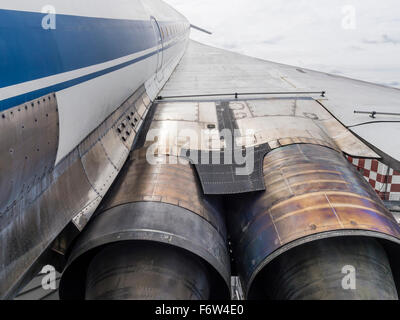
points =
(207, 70)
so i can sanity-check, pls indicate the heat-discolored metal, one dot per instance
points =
(162, 203)
(129, 271)
(312, 193)
(318, 271)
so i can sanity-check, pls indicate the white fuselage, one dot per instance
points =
(97, 54)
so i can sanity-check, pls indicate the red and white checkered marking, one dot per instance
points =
(382, 178)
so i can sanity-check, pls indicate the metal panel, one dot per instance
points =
(152, 182)
(273, 107)
(207, 113)
(34, 290)
(144, 205)
(219, 177)
(278, 119)
(117, 152)
(177, 112)
(312, 193)
(208, 70)
(28, 147)
(183, 127)
(66, 195)
(155, 222)
(99, 170)
(139, 271)
(172, 136)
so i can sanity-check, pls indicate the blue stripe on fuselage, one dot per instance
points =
(17, 100)
(29, 52)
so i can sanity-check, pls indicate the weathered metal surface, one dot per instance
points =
(276, 121)
(142, 181)
(28, 147)
(208, 70)
(34, 290)
(285, 120)
(69, 192)
(190, 126)
(105, 151)
(312, 193)
(154, 222)
(129, 271)
(159, 203)
(222, 128)
(230, 171)
(314, 272)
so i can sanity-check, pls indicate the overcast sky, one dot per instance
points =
(359, 39)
